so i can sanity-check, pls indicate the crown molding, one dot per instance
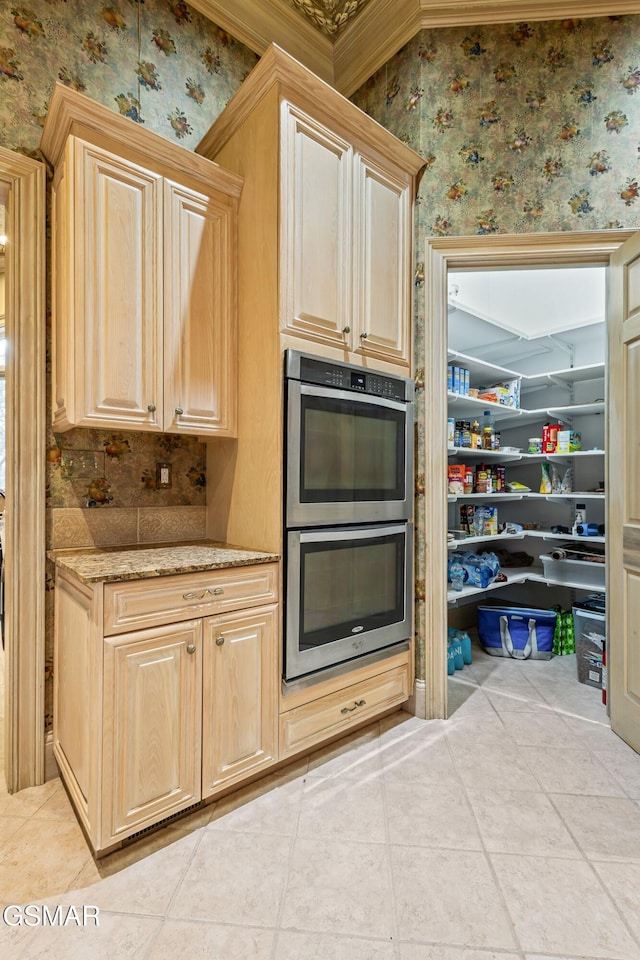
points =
(258, 23)
(380, 29)
(384, 26)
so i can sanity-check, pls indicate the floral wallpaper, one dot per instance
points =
(524, 127)
(162, 64)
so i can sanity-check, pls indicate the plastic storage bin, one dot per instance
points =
(591, 634)
(583, 572)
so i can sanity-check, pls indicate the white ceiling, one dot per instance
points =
(532, 303)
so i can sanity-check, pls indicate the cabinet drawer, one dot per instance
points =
(145, 603)
(327, 717)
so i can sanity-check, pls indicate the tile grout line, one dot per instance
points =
(487, 857)
(285, 889)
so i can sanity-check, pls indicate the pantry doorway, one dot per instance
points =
(442, 256)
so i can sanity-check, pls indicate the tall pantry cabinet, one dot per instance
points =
(325, 240)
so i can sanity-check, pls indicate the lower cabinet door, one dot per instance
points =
(151, 726)
(240, 697)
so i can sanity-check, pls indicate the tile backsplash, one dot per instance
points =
(86, 527)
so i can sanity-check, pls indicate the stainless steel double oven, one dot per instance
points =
(349, 504)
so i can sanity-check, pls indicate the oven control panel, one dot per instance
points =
(342, 376)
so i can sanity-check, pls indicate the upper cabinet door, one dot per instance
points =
(382, 244)
(199, 313)
(116, 269)
(316, 230)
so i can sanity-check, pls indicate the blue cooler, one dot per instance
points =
(522, 633)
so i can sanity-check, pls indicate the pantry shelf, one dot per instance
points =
(492, 538)
(514, 575)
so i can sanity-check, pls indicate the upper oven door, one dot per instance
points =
(349, 457)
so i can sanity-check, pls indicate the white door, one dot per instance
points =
(623, 522)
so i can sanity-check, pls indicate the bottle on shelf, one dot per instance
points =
(456, 573)
(476, 436)
(488, 430)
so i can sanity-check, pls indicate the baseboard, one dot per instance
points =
(417, 702)
(51, 771)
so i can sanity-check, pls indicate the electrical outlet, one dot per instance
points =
(163, 476)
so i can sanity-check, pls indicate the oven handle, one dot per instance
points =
(368, 532)
(311, 390)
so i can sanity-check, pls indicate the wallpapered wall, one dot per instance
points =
(524, 127)
(161, 64)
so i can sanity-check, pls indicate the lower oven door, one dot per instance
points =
(348, 594)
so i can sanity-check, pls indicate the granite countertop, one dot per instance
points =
(92, 565)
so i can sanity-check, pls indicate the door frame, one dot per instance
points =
(441, 255)
(24, 182)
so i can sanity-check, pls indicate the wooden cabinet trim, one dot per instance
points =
(309, 724)
(137, 604)
(72, 113)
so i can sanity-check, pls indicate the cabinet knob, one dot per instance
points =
(191, 648)
(219, 641)
(346, 329)
(217, 591)
(364, 335)
(179, 411)
(151, 407)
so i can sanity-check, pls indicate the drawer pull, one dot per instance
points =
(191, 648)
(358, 703)
(219, 641)
(200, 596)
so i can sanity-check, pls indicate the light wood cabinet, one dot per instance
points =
(144, 277)
(240, 664)
(151, 721)
(151, 725)
(346, 223)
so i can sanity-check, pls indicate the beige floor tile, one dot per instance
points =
(268, 806)
(559, 907)
(596, 735)
(57, 806)
(9, 826)
(418, 951)
(314, 946)
(523, 822)
(485, 726)
(622, 880)
(625, 767)
(430, 815)
(26, 802)
(420, 761)
(537, 729)
(486, 766)
(43, 858)
(604, 827)
(566, 770)
(236, 878)
(145, 887)
(518, 701)
(116, 938)
(448, 897)
(356, 757)
(339, 888)
(465, 698)
(210, 941)
(338, 809)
